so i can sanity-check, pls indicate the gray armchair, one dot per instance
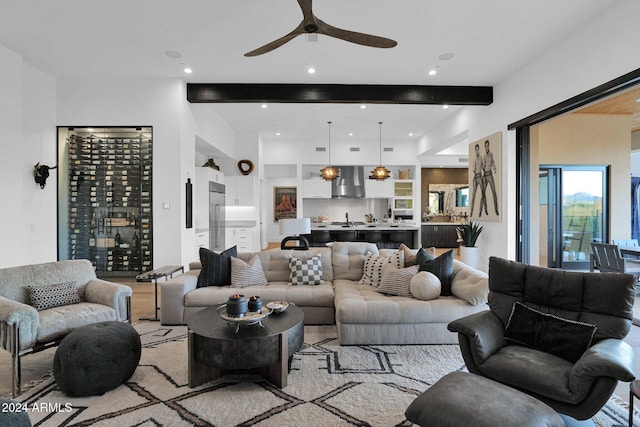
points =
(576, 388)
(25, 330)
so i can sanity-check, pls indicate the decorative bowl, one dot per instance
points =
(278, 306)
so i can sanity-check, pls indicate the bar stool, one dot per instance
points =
(347, 236)
(396, 237)
(320, 237)
(373, 236)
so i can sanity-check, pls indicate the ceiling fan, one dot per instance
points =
(311, 24)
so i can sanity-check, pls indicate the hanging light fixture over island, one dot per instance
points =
(329, 173)
(380, 173)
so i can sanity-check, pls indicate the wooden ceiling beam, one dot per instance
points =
(337, 93)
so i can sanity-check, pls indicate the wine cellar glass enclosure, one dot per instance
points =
(105, 198)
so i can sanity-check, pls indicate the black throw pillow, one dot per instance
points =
(441, 266)
(564, 338)
(216, 268)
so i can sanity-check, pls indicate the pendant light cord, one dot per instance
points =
(329, 123)
(380, 123)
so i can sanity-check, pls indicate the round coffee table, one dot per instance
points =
(215, 348)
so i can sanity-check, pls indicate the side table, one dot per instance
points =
(166, 272)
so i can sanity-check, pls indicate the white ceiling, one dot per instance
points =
(129, 38)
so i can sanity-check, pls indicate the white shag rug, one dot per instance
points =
(329, 385)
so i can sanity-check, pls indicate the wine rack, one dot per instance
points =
(110, 209)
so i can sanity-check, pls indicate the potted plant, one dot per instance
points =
(468, 234)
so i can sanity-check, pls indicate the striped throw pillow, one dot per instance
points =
(247, 274)
(374, 266)
(397, 281)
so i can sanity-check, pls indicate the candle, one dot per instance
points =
(255, 304)
(236, 305)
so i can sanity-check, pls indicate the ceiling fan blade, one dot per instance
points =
(355, 37)
(305, 5)
(277, 43)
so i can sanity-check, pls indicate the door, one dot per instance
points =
(573, 213)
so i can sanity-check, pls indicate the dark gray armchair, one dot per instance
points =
(578, 388)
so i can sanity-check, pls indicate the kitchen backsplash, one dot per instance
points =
(336, 208)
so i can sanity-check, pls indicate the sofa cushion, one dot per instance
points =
(247, 273)
(470, 284)
(216, 268)
(565, 338)
(275, 262)
(441, 266)
(348, 259)
(48, 296)
(304, 296)
(59, 321)
(425, 286)
(305, 271)
(397, 281)
(375, 265)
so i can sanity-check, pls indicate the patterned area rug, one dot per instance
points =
(329, 385)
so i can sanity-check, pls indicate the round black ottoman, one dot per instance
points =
(96, 358)
(13, 414)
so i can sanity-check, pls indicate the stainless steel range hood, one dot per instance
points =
(350, 183)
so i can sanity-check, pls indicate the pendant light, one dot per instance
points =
(380, 173)
(329, 173)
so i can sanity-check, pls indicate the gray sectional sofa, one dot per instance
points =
(361, 314)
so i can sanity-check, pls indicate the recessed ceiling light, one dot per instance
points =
(277, 133)
(350, 133)
(444, 107)
(311, 70)
(410, 133)
(89, 129)
(188, 70)
(173, 54)
(263, 106)
(433, 72)
(363, 106)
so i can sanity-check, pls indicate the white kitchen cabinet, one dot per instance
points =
(202, 239)
(316, 188)
(378, 189)
(240, 190)
(242, 238)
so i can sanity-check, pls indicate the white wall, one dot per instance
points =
(601, 50)
(27, 120)
(160, 103)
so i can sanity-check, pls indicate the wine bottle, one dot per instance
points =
(117, 238)
(92, 238)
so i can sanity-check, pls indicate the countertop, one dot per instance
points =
(443, 223)
(379, 226)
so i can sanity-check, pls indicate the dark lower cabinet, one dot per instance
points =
(439, 236)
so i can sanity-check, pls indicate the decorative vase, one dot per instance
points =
(237, 305)
(255, 304)
(470, 255)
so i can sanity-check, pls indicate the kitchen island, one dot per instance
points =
(384, 234)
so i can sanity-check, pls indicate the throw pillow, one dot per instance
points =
(564, 338)
(375, 264)
(397, 281)
(49, 296)
(425, 286)
(441, 266)
(411, 254)
(305, 271)
(216, 268)
(247, 274)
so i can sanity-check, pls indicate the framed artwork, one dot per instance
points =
(485, 178)
(285, 202)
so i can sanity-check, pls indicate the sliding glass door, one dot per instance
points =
(573, 213)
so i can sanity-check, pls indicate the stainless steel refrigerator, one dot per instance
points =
(216, 216)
